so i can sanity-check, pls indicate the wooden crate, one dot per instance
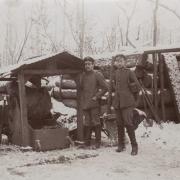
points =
(49, 138)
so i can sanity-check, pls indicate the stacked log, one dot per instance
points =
(55, 93)
(66, 84)
(103, 64)
(70, 103)
(65, 91)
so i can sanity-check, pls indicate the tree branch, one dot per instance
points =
(130, 42)
(69, 22)
(133, 10)
(129, 18)
(167, 8)
(121, 33)
(48, 36)
(155, 22)
(24, 42)
(107, 38)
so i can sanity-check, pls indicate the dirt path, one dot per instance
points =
(157, 160)
(152, 163)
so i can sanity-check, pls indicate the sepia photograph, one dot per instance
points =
(90, 89)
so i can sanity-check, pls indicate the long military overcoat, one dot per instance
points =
(93, 84)
(123, 96)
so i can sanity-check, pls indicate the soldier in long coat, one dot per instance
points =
(93, 86)
(124, 103)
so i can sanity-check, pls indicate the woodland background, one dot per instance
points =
(30, 28)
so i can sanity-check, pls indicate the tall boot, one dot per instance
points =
(132, 137)
(97, 136)
(121, 136)
(87, 135)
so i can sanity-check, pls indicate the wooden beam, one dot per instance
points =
(110, 87)
(8, 79)
(24, 133)
(51, 72)
(3, 75)
(161, 74)
(165, 50)
(80, 128)
(155, 74)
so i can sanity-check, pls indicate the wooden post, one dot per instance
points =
(110, 87)
(24, 133)
(80, 133)
(155, 74)
(161, 74)
(2, 109)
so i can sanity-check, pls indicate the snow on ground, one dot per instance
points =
(158, 159)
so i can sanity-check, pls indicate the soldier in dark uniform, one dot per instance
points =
(124, 103)
(93, 87)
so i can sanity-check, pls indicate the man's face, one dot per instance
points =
(120, 62)
(89, 66)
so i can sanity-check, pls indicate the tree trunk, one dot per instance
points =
(155, 23)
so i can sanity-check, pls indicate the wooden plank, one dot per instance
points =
(80, 128)
(161, 50)
(51, 72)
(8, 79)
(161, 74)
(150, 104)
(23, 111)
(110, 87)
(155, 74)
(3, 75)
(2, 118)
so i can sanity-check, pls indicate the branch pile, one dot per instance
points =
(173, 71)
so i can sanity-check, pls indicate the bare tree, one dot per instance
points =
(13, 47)
(82, 30)
(78, 30)
(121, 32)
(128, 18)
(155, 23)
(114, 38)
(167, 8)
(26, 36)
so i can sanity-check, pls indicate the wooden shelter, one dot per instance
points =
(44, 66)
(160, 68)
(161, 71)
